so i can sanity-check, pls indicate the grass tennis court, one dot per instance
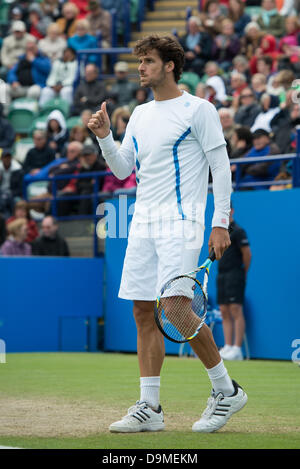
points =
(68, 400)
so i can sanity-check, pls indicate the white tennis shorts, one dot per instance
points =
(157, 252)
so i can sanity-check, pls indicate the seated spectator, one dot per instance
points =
(57, 132)
(21, 210)
(89, 162)
(270, 107)
(266, 171)
(63, 165)
(240, 64)
(211, 92)
(83, 40)
(241, 142)
(62, 76)
(269, 20)
(82, 6)
(3, 232)
(7, 133)
(236, 12)
(30, 73)
(90, 91)
(289, 7)
(267, 48)
(123, 89)
(238, 83)
(67, 23)
(79, 133)
(259, 85)
(212, 16)
(38, 21)
(212, 71)
(248, 108)
(16, 244)
(197, 46)
(292, 29)
(284, 127)
(85, 117)
(119, 121)
(14, 45)
(99, 22)
(50, 243)
(251, 39)
(265, 66)
(283, 176)
(226, 45)
(66, 187)
(40, 155)
(140, 97)
(51, 8)
(113, 184)
(53, 45)
(11, 177)
(228, 126)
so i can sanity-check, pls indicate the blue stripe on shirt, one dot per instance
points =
(137, 163)
(177, 170)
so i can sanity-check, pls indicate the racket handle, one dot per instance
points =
(212, 255)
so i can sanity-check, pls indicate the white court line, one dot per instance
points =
(9, 447)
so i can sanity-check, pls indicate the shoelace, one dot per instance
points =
(136, 407)
(212, 403)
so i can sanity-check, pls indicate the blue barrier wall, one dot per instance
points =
(50, 304)
(272, 309)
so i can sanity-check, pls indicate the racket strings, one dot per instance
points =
(181, 309)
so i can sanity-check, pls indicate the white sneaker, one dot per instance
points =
(224, 350)
(140, 418)
(219, 410)
(234, 354)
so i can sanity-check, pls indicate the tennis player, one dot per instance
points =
(171, 142)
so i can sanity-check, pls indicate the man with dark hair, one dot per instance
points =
(171, 141)
(11, 176)
(50, 243)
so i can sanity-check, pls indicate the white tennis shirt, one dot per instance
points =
(171, 144)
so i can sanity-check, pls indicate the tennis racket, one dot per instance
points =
(181, 305)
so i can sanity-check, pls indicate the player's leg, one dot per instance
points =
(150, 343)
(139, 279)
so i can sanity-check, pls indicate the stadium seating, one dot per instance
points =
(21, 147)
(53, 105)
(72, 121)
(21, 120)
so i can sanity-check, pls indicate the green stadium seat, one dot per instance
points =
(190, 79)
(4, 12)
(39, 123)
(72, 121)
(55, 104)
(21, 120)
(25, 103)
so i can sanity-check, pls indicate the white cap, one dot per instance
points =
(18, 26)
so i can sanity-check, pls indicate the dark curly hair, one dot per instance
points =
(168, 49)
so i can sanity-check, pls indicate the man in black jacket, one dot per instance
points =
(40, 155)
(7, 133)
(50, 243)
(197, 46)
(90, 92)
(90, 161)
(11, 176)
(248, 110)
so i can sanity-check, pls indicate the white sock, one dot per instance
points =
(150, 387)
(220, 380)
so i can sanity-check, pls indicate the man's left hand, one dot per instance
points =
(219, 240)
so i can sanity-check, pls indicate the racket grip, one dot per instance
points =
(212, 255)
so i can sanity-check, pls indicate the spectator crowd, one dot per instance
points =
(244, 57)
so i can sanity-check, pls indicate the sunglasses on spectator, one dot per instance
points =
(246, 95)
